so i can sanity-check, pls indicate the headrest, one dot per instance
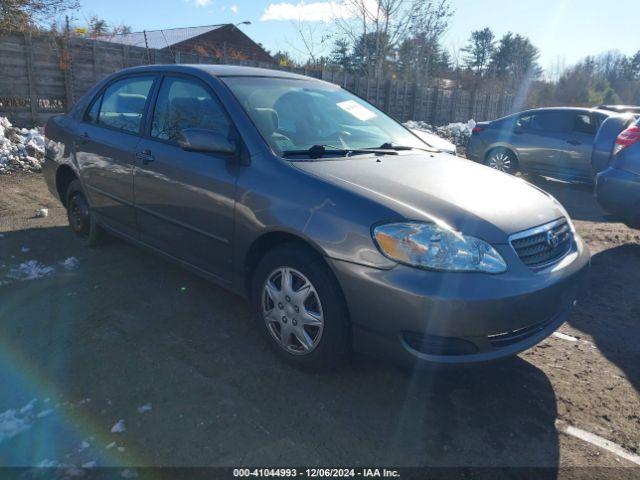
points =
(267, 120)
(130, 103)
(186, 105)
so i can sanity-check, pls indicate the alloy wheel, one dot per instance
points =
(500, 161)
(292, 311)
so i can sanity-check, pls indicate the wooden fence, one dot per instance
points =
(42, 75)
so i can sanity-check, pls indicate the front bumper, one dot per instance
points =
(618, 191)
(418, 315)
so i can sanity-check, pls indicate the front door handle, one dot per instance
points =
(145, 157)
(573, 142)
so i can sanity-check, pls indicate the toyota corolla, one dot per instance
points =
(343, 229)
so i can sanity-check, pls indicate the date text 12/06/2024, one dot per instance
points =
(317, 472)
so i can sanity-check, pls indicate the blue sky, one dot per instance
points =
(564, 30)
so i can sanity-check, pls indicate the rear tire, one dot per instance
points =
(309, 307)
(81, 220)
(503, 160)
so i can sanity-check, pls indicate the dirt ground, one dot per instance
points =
(126, 329)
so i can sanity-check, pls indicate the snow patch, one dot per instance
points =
(70, 263)
(21, 149)
(457, 133)
(118, 427)
(145, 408)
(30, 270)
(17, 420)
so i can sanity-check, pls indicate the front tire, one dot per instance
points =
(300, 308)
(503, 160)
(81, 220)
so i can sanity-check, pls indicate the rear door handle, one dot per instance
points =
(573, 142)
(145, 157)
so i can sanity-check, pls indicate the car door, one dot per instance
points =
(540, 138)
(107, 139)
(580, 144)
(185, 200)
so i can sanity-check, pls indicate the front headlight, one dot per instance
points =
(428, 245)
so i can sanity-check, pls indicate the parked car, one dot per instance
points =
(605, 140)
(634, 109)
(618, 187)
(555, 142)
(340, 226)
(435, 141)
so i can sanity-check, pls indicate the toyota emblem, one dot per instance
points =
(552, 239)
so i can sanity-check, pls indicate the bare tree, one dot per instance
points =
(25, 15)
(374, 28)
(311, 39)
(380, 29)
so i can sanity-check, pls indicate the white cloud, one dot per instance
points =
(234, 8)
(203, 3)
(310, 12)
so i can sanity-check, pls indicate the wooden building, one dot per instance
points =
(223, 41)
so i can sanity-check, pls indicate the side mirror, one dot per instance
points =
(206, 141)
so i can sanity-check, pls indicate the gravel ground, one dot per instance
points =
(125, 329)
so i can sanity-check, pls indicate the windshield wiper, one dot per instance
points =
(318, 151)
(391, 146)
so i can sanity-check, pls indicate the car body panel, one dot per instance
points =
(105, 160)
(618, 186)
(419, 186)
(564, 154)
(207, 213)
(605, 140)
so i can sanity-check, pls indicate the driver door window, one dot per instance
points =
(184, 103)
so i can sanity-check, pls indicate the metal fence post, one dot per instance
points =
(96, 65)
(33, 97)
(387, 96)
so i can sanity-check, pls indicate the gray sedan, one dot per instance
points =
(344, 230)
(556, 142)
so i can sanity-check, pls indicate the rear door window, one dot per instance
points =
(124, 102)
(585, 123)
(185, 103)
(546, 121)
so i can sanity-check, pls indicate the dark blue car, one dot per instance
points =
(618, 187)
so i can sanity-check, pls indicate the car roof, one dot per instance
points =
(620, 108)
(567, 109)
(219, 71)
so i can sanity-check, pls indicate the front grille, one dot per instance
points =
(544, 245)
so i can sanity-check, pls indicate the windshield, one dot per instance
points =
(296, 115)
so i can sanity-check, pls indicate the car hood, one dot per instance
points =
(466, 196)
